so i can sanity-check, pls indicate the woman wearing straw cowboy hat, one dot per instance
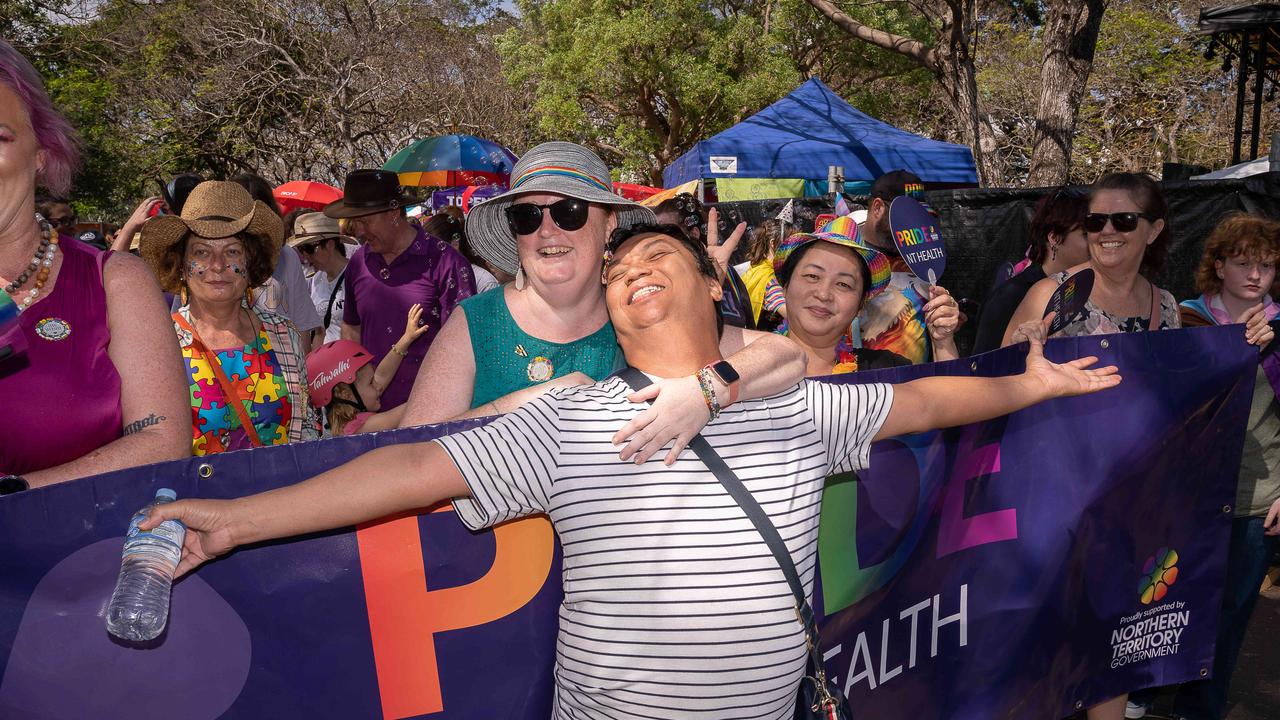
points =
(504, 346)
(245, 367)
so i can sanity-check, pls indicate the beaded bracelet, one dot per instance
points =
(398, 351)
(708, 392)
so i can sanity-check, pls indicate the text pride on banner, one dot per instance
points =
(993, 571)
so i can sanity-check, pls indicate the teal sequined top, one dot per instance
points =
(509, 359)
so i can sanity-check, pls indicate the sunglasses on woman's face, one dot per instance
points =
(1122, 222)
(311, 247)
(569, 214)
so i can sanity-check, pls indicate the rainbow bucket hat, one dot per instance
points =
(878, 270)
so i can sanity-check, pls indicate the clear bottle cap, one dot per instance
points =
(167, 494)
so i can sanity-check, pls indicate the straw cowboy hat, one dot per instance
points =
(313, 227)
(562, 168)
(215, 209)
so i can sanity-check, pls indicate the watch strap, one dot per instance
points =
(732, 386)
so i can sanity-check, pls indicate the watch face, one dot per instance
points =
(726, 372)
(10, 484)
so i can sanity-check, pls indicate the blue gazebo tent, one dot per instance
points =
(799, 136)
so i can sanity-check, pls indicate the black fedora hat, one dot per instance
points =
(367, 192)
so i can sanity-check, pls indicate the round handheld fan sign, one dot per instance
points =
(1069, 299)
(915, 234)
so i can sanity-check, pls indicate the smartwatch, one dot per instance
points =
(727, 376)
(10, 484)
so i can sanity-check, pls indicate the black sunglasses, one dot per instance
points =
(1122, 222)
(311, 247)
(63, 221)
(568, 214)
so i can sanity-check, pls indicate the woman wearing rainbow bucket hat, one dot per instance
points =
(826, 278)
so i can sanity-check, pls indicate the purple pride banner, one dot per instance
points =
(1020, 568)
(1043, 562)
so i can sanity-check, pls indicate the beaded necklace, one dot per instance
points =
(40, 264)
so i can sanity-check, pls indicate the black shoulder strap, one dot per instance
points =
(750, 507)
(337, 285)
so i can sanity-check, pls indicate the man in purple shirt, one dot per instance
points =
(398, 265)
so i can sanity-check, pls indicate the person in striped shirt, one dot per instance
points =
(673, 605)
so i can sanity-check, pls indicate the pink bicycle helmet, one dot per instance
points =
(332, 363)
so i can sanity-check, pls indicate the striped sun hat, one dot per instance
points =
(553, 167)
(878, 269)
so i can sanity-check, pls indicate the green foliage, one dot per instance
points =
(883, 84)
(643, 81)
(1152, 96)
(154, 88)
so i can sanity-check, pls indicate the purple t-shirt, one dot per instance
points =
(378, 297)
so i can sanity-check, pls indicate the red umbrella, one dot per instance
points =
(305, 194)
(635, 192)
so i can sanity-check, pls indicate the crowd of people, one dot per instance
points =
(360, 317)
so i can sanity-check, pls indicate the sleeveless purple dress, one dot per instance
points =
(66, 402)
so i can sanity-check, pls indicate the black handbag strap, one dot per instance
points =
(751, 508)
(337, 285)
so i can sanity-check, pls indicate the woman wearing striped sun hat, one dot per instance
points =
(549, 328)
(826, 278)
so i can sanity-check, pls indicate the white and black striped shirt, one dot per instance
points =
(673, 605)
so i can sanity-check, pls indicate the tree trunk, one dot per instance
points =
(951, 62)
(1070, 36)
(959, 79)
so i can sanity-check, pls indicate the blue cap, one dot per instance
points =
(167, 494)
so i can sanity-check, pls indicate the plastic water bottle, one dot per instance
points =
(140, 604)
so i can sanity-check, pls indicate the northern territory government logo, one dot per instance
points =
(1155, 631)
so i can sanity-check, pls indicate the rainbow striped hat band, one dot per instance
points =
(561, 171)
(559, 168)
(877, 264)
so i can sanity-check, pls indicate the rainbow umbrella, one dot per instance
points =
(305, 194)
(452, 161)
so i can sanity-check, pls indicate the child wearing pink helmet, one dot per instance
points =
(349, 389)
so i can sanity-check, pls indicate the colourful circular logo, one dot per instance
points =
(53, 329)
(1158, 574)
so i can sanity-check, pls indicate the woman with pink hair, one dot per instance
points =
(92, 380)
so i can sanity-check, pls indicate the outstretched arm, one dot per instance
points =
(380, 482)
(390, 363)
(447, 377)
(938, 402)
